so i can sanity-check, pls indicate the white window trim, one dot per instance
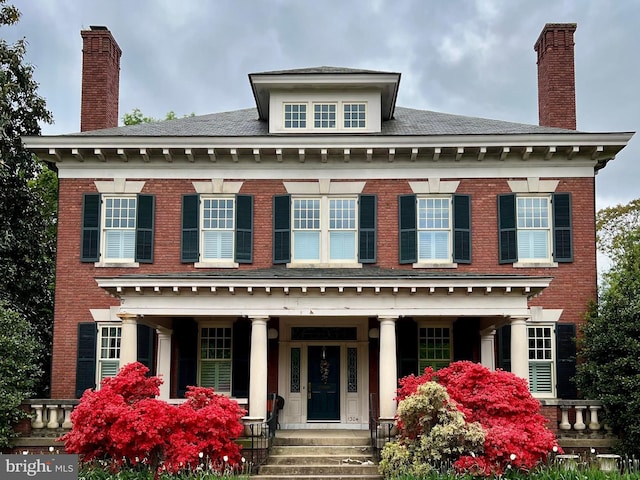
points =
(431, 262)
(114, 262)
(551, 326)
(446, 324)
(213, 262)
(344, 103)
(211, 324)
(325, 260)
(99, 359)
(537, 262)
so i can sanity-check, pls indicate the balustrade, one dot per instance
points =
(50, 417)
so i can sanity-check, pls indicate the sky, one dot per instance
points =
(463, 57)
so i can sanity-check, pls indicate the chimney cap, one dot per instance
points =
(98, 27)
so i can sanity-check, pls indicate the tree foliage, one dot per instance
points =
(136, 117)
(27, 214)
(124, 424)
(613, 225)
(610, 344)
(18, 369)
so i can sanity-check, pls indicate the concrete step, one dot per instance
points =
(320, 455)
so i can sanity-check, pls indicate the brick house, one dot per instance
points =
(325, 242)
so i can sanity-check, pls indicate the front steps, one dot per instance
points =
(320, 454)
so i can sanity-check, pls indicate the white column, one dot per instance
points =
(258, 368)
(519, 347)
(487, 348)
(164, 361)
(128, 339)
(388, 367)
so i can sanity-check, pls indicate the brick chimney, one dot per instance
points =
(556, 76)
(100, 79)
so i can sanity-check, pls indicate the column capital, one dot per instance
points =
(387, 318)
(127, 317)
(519, 319)
(163, 331)
(257, 319)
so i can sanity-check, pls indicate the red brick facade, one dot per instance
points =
(573, 285)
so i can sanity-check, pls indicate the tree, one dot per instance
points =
(27, 219)
(613, 224)
(18, 369)
(136, 117)
(609, 346)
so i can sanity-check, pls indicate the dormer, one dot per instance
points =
(325, 100)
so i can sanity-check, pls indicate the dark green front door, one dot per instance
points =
(323, 396)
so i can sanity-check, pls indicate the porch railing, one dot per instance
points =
(381, 430)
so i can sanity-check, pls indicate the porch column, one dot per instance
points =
(519, 347)
(258, 368)
(164, 361)
(388, 367)
(487, 348)
(128, 339)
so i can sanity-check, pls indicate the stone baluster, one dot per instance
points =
(564, 422)
(67, 416)
(53, 417)
(37, 421)
(580, 425)
(594, 423)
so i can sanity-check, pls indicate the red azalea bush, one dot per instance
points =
(516, 432)
(124, 423)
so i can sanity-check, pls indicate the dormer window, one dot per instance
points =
(355, 115)
(324, 115)
(295, 115)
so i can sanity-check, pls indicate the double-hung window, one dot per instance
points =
(109, 337)
(295, 115)
(215, 358)
(217, 229)
(117, 229)
(324, 115)
(324, 229)
(434, 347)
(435, 229)
(535, 228)
(541, 359)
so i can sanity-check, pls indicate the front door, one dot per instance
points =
(323, 394)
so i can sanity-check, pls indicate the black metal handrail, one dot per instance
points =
(379, 431)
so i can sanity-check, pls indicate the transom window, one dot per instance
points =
(328, 236)
(295, 115)
(215, 358)
(434, 229)
(119, 228)
(540, 359)
(355, 115)
(434, 347)
(109, 351)
(324, 115)
(217, 229)
(534, 228)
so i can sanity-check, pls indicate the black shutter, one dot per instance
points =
(504, 348)
(462, 228)
(566, 362)
(90, 250)
(244, 228)
(144, 228)
(562, 231)
(281, 228)
(146, 342)
(241, 340)
(507, 242)
(190, 229)
(185, 331)
(407, 225)
(367, 229)
(466, 339)
(86, 357)
(407, 347)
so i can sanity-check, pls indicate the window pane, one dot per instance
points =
(324, 115)
(306, 245)
(217, 245)
(342, 245)
(295, 115)
(354, 115)
(533, 244)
